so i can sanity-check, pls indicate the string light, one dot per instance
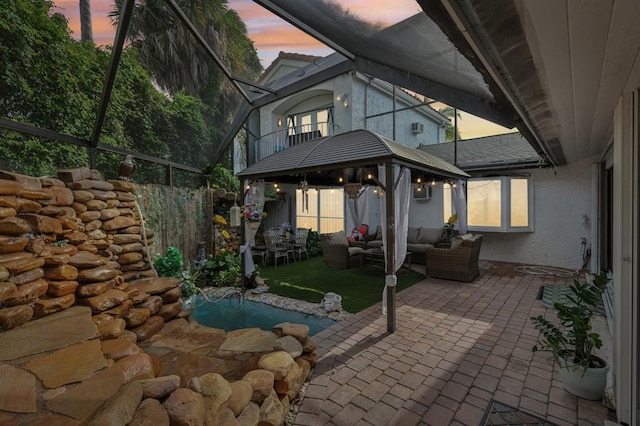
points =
(340, 179)
(419, 180)
(433, 182)
(369, 176)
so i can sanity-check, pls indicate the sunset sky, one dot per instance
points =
(271, 35)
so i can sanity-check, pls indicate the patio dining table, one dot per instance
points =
(376, 257)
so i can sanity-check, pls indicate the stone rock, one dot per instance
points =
(103, 195)
(84, 399)
(61, 272)
(250, 416)
(68, 365)
(74, 175)
(172, 295)
(84, 260)
(217, 390)
(14, 226)
(52, 211)
(98, 234)
(155, 285)
(249, 340)
(126, 238)
(27, 206)
(104, 301)
(310, 357)
(138, 266)
(299, 331)
(279, 363)
(79, 207)
(62, 288)
(112, 204)
(109, 327)
(76, 237)
(9, 257)
(241, 393)
(94, 289)
(69, 223)
(96, 175)
(262, 382)
(150, 412)
(156, 363)
(160, 387)
(60, 196)
(12, 244)
(137, 296)
(27, 293)
(89, 215)
(70, 212)
(227, 418)
(13, 316)
(4, 274)
(131, 247)
(56, 259)
(194, 384)
(271, 411)
(289, 344)
(42, 224)
(305, 368)
(121, 185)
(48, 306)
(153, 303)
(10, 202)
(23, 265)
(119, 348)
(82, 196)
(37, 195)
(121, 310)
(185, 313)
(120, 408)
(89, 248)
(7, 212)
(136, 367)
(107, 214)
(26, 182)
(48, 182)
(64, 249)
(9, 187)
(125, 196)
(28, 276)
(284, 400)
(6, 289)
(95, 206)
(80, 184)
(288, 383)
(102, 185)
(51, 419)
(129, 258)
(136, 317)
(135, 229)
(49, 333)
(17, 390)
(119, 222)
(150, 327)
(185, 407)
(100, 273)
(170, 310)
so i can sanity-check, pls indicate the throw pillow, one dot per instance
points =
(429, 235)
(455, 242)
(412, 235)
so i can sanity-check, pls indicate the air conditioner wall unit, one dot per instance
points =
(422, 192)
(417, 128)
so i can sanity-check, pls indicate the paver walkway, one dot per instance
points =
(457, 345)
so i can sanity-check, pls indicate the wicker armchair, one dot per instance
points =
(459, 263)
(337, 253)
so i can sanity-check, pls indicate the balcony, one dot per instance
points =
(290, 136)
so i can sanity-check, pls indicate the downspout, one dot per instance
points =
(455, 137)
(394, 113)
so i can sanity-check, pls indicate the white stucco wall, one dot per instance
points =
(562, 216)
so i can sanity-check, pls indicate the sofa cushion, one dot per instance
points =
(379, 233)
(456, 241)
(375, 244)
(355, 250)
(412, 235)
(337, 238)
(429, 235)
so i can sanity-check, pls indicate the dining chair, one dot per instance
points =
(300, 243)
(275, 247)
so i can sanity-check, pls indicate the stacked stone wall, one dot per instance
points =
(79, 239)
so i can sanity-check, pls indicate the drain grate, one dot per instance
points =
(499, 414)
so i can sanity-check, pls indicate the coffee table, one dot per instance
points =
(376, 257)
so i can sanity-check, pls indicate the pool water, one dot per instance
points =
(229, 314)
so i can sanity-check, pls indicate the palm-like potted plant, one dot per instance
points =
(573, 342)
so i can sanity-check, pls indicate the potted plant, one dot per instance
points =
(573, 342)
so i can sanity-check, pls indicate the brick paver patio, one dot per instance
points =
(457, 346)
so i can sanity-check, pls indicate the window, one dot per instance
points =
(500, 204)
(309, 125)
(322, 210)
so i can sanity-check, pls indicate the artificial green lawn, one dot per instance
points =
(310, 279)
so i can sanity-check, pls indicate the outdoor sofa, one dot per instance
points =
(458, 262)
(418, 240)
(336, 251)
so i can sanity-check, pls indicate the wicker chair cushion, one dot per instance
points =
(355, 251)
(337, 238)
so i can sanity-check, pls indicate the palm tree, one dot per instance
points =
(86, 33)
(451, 133)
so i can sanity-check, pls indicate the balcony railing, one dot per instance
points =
(285, 138)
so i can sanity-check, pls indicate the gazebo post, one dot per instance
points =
(390, 245)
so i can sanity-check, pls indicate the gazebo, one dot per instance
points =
(330, 161)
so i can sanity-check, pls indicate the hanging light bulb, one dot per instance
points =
(419, 180)
(369, 176)
(340, 179)
(433, 182)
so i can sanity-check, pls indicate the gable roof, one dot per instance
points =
(332, 154)
(508, 151)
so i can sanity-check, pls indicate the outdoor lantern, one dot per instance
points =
(234, 215)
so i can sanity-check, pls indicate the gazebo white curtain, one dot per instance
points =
(460, 204)
(358, 209)
(402, 193)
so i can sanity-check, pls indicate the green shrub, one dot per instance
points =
(223, 268)
(169, 265)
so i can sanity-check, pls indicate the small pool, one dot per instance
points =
(229, 314)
